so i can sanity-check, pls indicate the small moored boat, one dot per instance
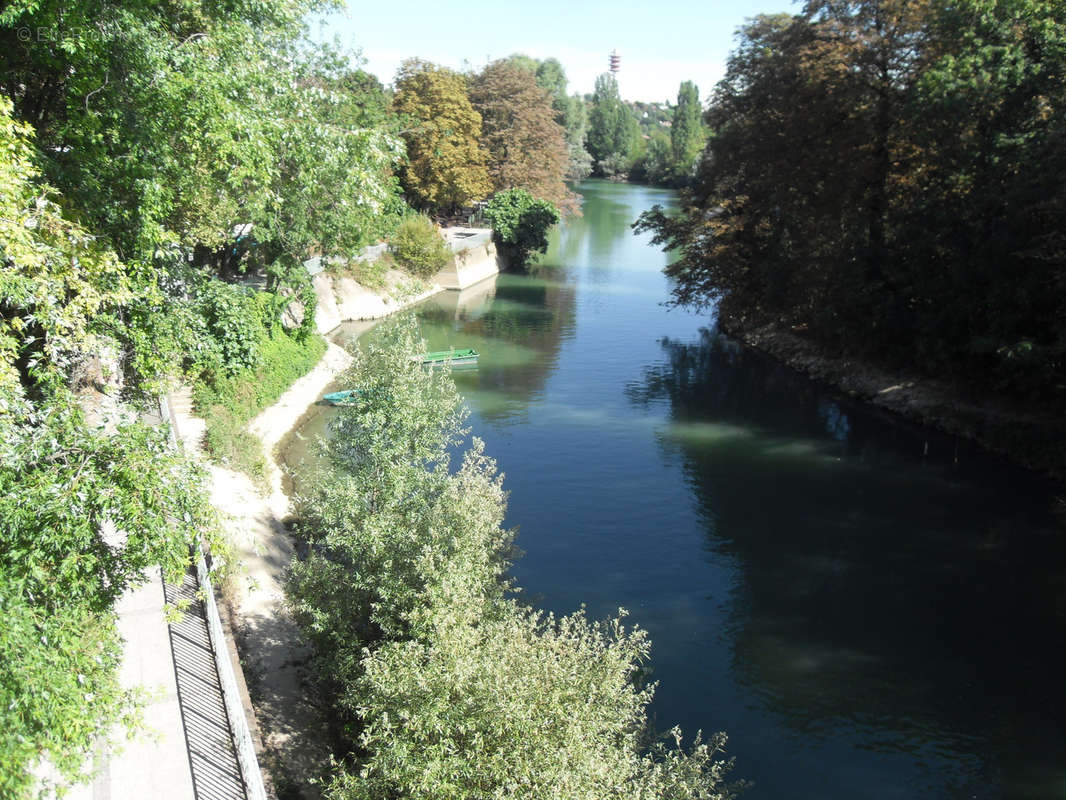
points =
(457, 358)
(349, 397)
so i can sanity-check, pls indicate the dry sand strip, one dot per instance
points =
(291, 727)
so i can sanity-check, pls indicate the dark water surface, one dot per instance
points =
(868, 609)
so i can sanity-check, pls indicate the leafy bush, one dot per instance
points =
(84, 510)
(520, 224)
(370, 274)
(229, 401)
(84, 514)
(444, 686)
(234, 320)
(419, 248)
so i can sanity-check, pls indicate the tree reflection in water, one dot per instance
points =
(920, 600)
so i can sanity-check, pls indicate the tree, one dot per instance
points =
(198, 140)
(84, 511)
(520, 224)
(446, 166)
(613, 130)
(884, 174)
(687, 132)
(526, 145)
(657, 166)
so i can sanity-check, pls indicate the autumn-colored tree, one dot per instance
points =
(526, 145)
(446, 166)
(570, 110)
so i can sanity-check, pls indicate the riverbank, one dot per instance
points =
(1030, 438)
(272, 653)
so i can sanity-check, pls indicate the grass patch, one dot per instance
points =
(370, 274)
(228, 404)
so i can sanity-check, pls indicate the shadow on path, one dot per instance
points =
(216, 773)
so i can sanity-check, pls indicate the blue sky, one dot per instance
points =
(661, 42)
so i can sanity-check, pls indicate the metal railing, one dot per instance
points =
(231, 694)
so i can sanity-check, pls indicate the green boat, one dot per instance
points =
(349, 397)
(456, 358)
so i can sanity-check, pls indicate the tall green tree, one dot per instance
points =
(449, 688)
(197, 139)
(446, 165)
(84, 509)
(883, 173)
(688, 135)
(612, 131)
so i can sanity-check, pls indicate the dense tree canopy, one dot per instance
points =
(448, 688)
(520, 224)
(613, 131)
(84, 510)
(446, 166)
(890, 175)
(687, 132)
(526, 144)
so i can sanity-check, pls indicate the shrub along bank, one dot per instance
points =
(441, 684)
(247, 360)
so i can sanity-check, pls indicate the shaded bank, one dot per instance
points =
(1031, 437)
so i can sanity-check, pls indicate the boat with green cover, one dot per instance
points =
(456, 358)
(349, 397)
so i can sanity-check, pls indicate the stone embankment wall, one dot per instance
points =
(475, 258)
(342, 299)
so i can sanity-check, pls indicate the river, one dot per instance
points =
(867, 608)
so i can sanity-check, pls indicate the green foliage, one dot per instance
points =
(570, 112)
(688, 135)
(365, 272)
(229, 400)
(85, 513)
(170, 128)
(85, 509)
(526, 144)
(613, 133)
(515, 704)
(419, 247)
(444, 686)
(658, 162)
(233, 321)
(520, 224)
(165, 129)
(59, 289)
(446, 166)
(890, 175)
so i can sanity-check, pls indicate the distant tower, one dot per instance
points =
(615, 61)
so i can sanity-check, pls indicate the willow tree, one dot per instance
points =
(446, 165)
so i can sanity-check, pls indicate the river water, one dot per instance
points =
(867, 608)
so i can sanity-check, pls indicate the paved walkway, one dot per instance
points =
(184, 751)
(292, 725)
(216, 773)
